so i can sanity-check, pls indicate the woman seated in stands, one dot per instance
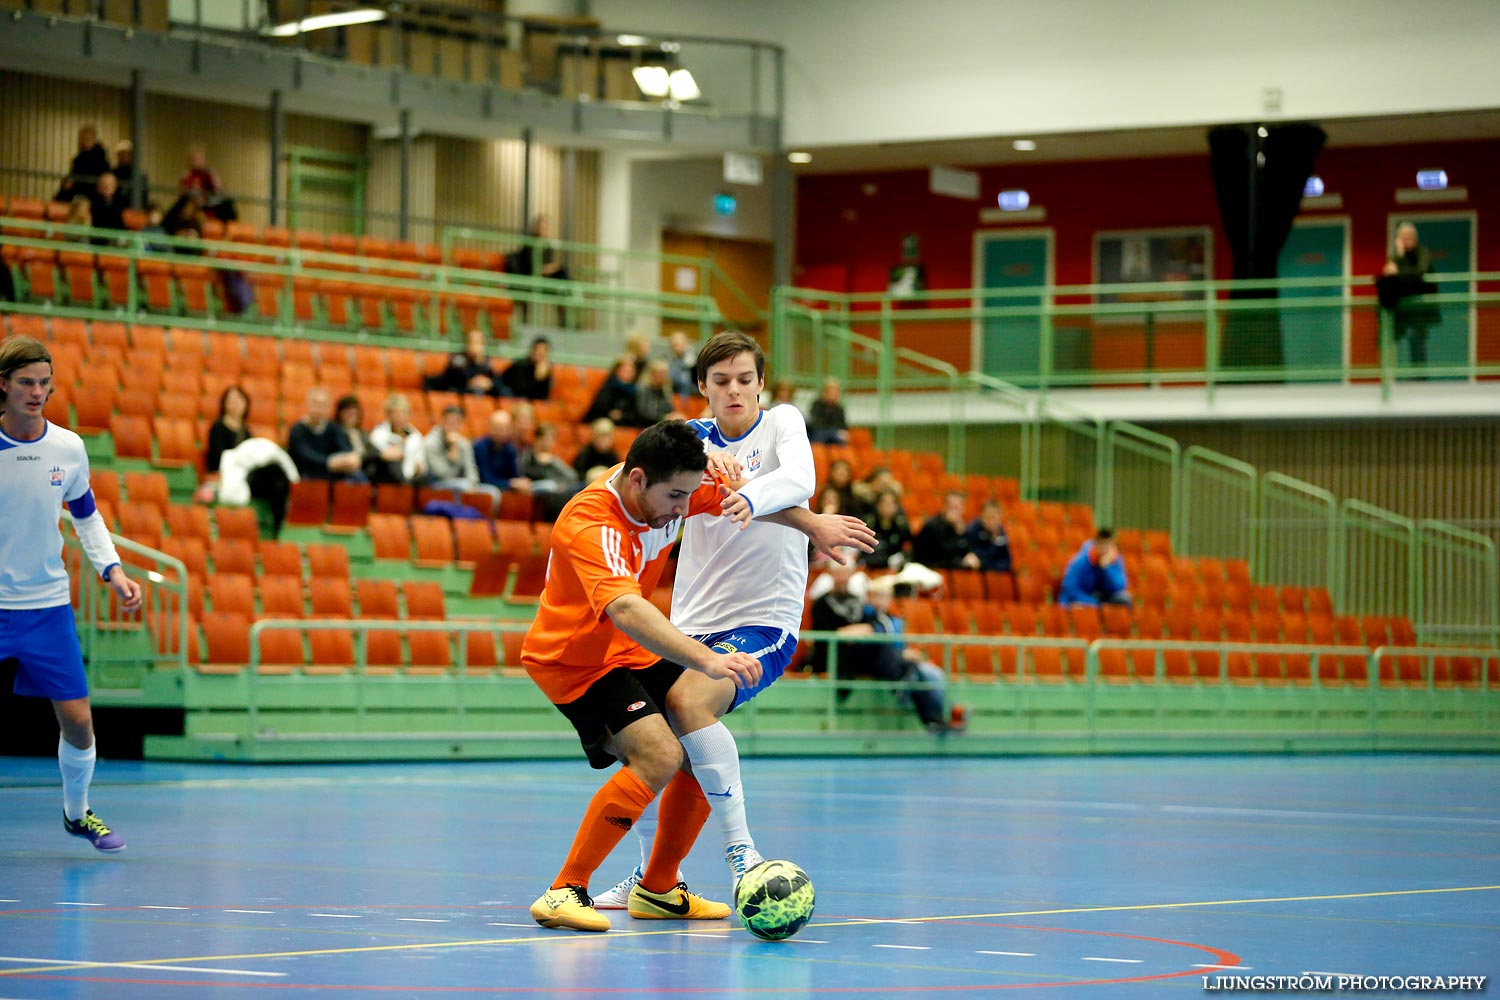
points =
(892, 533)
(203, 180)
(616, 397)
(841, 480)
(471, 371)
(349, 414)
(232, 427)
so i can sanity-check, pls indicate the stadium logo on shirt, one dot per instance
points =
(752, 462)
(57, 476)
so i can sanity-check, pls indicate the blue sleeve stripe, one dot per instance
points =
(83, 506)
(105, 575)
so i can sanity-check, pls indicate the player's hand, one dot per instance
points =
(724, 465)
(742, 668)
(737, 508)
(832, 532)
(126, 589)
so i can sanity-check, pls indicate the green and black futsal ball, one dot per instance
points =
(774, 899)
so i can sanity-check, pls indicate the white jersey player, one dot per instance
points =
(43, 466)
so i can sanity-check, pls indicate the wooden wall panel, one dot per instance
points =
(39, 121)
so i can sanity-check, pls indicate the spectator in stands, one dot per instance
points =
(841, 478)
(654, 398)
(471, 371)
(107, 206)
(185, 217)
(403, 454)
(131, 180)
(539, 257)
(450, 457)
(640, 349)
(616, 397)
(349, 415)
(594, 458)
(826, 422)
(880, 480)
(682, 360)
(530, 377)
(498, 458)
(892, 533)
(784, 391)
(987, 540)
(840, 606)
(553, 481)
(205, 181)
(231, 429)
(1407, 273)
(1096, 575)
(523, 418)
(319, 448)
(942, 542)
(926, 678)
(89, 163)
(81, 211)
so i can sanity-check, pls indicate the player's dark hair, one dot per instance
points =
(18, 352)
(725, 345)
(224, 399)
(665, 449)
(1104, 535)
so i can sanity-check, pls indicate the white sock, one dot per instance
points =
(77, 767)
(716, 765)
(645, 831)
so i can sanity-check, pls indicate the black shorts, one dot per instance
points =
(616, 700)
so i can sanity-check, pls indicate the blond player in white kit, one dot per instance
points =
(43, 466)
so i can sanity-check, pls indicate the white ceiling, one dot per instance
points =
(1134, 143)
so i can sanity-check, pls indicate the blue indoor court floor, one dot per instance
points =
(1090, 877)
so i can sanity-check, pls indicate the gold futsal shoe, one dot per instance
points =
(676, 904)
(568, 908)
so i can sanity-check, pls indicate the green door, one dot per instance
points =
(1450, 240)
(1313, 337)
(1010, 346)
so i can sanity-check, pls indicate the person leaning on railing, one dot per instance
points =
(1404, 276)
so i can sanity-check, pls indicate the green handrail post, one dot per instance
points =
(885, 364)
(1210, 342)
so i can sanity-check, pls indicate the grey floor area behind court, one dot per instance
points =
(1100, 877)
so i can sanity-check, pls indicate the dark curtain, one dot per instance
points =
(1259, 182)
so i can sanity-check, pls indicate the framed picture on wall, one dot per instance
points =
(1155, 256)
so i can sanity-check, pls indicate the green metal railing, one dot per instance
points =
(162, 620)
(430, 288)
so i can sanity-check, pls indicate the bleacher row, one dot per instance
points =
(1183, 599)
(87, 279)
(157, 390)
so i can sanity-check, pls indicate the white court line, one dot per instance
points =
(338, 916)
(1013, 954)
(707, 934)
(64, 903)
(1122, 961)
(492, 924)
(249, 911)
(165, 907)
(903, 947)
(134, 965)
(1322, 815)
(9, 900)
(421, 920)
(1241, 968)
(807, 941)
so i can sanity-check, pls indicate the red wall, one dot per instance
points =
(850, 226)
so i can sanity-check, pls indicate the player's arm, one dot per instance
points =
(93, 535)
(789, 485)
(640, 619)
(828, 532)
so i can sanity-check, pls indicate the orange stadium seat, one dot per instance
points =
(377, 598)
(326, 560)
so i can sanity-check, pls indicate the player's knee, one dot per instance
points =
(656, 758)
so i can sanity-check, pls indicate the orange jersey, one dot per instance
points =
(599, 554)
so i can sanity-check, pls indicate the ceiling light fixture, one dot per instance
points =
(656, 81)
(799, 157)
(631, 40)
(1023, 145)
(338, 19)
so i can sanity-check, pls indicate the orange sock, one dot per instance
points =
(614, 809)
(680, 816)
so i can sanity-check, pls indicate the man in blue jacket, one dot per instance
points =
(1096, 575)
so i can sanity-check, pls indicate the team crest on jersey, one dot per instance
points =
(57, 476)
(752, 461)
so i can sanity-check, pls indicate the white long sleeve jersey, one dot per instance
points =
(36, 479)
(728, 578)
